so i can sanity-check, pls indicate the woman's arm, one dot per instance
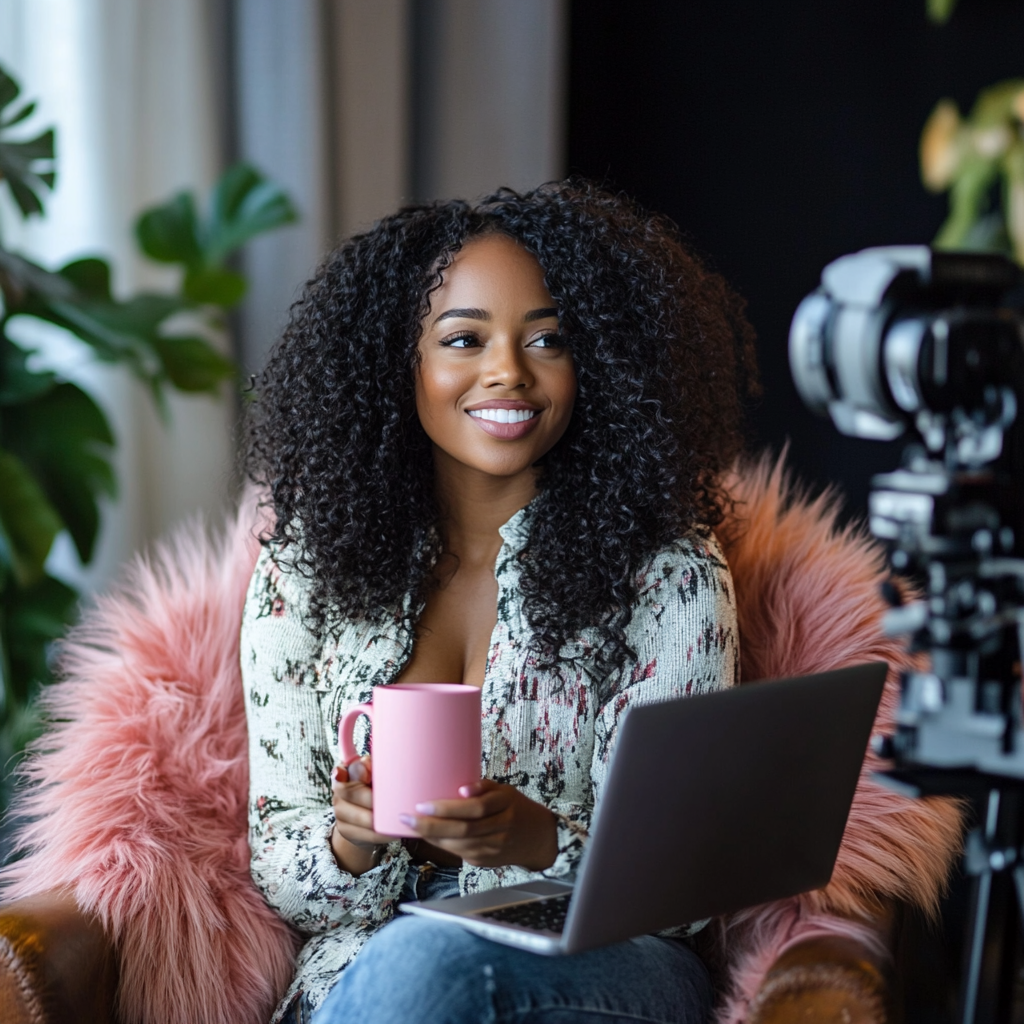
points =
(291, 820)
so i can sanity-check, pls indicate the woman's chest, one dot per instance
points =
(537, 722)
(456, 631)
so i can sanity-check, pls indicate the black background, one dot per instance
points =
(779, 136)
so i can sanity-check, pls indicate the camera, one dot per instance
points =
(907, 341)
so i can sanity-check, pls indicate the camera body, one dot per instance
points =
(904, 340)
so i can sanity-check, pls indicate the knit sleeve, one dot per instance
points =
(290, 765)
(684, 633)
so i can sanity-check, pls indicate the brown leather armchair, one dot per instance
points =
(57, 966)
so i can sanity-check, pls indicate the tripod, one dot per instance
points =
(994, 861)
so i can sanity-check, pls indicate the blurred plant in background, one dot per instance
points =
(979, 159)
(56, 445)
(940, 11)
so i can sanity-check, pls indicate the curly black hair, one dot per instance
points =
(664, 360)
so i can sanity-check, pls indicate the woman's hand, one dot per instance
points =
(490, 826)
(353, 839)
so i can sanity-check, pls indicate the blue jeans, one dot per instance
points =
(418, 971)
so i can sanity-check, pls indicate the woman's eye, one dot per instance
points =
(548, 341)
(460, 341)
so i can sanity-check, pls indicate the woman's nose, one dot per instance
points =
(505, 363)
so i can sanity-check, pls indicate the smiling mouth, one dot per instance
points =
(504, 415)
(505, 424)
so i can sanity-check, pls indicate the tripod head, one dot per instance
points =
(906, 341)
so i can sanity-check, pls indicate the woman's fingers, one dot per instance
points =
(362, 836)
(352, 801)
(355, 823)
(486, 799)
(354, 793)
(360, 770)
(457, 828)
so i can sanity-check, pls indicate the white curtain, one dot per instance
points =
(127, 84)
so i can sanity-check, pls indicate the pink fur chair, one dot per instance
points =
(134, 901)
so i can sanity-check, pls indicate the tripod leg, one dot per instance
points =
(1018, 880)
(981, 895)
(993, 940)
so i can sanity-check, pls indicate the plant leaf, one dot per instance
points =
(22, 115)
(244, 204)
(17, 382)
(968, 201)
(9, 89)
(90, 276)
(141, 315)
(23, 277)
(214, 285)
(64, 439)
(193, 364)
(24, 197)
(994, 105)
(27, 166)
(28, 520)
(940, 11)
(36, 616)
(170, 233)
(89, 324)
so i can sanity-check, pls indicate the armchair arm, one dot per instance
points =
(57, 965)
(825, 979)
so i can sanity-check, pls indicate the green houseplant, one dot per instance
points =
(55, 442)
(979, 160)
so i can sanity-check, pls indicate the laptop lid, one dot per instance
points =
(723, 801)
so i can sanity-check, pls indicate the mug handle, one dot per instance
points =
(345, 729)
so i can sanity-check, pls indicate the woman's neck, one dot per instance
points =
(475, 505)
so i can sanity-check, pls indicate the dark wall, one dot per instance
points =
(780, 136)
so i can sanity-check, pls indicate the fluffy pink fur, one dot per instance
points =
(143, 779)
(141, 807)
(808, 600)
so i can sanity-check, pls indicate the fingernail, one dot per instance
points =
(340, 775)
(424, 808)
(465, 790)
(356, 772)
(408, 820)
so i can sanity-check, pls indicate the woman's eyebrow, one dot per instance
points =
(540, 314)
(464, 314)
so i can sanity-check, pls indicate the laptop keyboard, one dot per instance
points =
(545, 915)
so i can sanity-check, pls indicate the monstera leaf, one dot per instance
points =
(64, 440)
(243, 204)
(26, 165)
(28, 522)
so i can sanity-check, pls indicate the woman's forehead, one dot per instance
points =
(490, 269)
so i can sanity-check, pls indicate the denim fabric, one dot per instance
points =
(431, 972)
(429, 882)
(424, 881)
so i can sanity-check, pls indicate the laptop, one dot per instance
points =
(743, 793)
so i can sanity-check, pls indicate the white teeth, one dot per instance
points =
(504, 415)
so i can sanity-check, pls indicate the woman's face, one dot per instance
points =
(495, 385)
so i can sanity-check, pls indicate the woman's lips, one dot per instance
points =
(506, 431)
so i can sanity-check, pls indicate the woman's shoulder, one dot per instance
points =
(697, 551)
(278, 588)
(690, 569)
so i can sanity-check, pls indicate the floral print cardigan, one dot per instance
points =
(545, 731)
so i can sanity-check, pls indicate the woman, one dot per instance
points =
(493, 436)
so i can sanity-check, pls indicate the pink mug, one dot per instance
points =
(425, 745)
